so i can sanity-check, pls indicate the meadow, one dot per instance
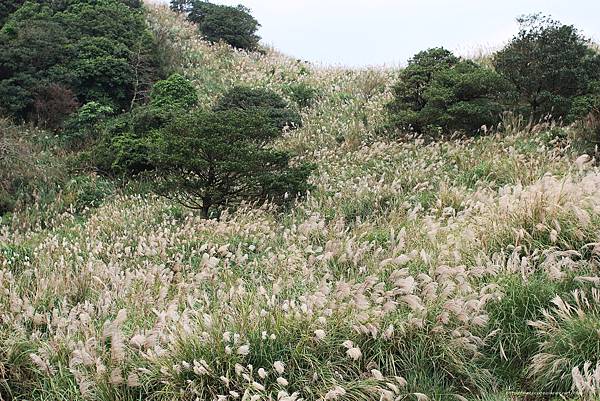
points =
(458, 269)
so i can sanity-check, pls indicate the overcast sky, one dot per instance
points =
(375, 32)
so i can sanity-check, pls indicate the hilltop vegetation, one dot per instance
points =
(367, 238)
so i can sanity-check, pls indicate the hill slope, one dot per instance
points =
(411, 270)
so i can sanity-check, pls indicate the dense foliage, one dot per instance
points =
(207, 160)
(7, 7)
(56, 55)
(261, 100)
(123, 148)
(176, 92)
(553, 67)
(440, 93)
(233, 25)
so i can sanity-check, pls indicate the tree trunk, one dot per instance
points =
(206, 204)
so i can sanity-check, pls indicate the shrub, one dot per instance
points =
(176, 92)
(7, 202)
(551, 65)
(440, 93)
(233, 25)
(207, 160)
(260, 100)
(87, 192)
(85, 125)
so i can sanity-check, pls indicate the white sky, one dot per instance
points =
(375, 32)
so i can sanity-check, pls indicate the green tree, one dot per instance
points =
(125, 144)
(86, 124)
(440, 93)
(233, 25)
(101, 50)
(207, 160)
(550, 64)
(417, 76)
(260, 100)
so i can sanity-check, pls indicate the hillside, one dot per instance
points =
(414, 269)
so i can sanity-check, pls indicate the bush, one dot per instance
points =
(7, 202)
(263, 101)
(439, 93)
(87, 192)
(207, 160)
(233, 25)
(85, 126)
(551, 65)
(176, 92)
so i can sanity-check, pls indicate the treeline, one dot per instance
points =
(547, 71)
(56, 56)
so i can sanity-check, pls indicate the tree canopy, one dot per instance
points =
(100, 50)
(207, 160)
(233, 25)
(551, 65)
(440, 93)
(262, 100)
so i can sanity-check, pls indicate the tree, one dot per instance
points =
(207, 160)
(417, 76)
(550, 64)
(439, 92)
(101, 50)
(124, 146)
(233, 25)
(260, 100)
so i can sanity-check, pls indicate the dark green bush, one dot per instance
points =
(263, 101)
(87, 192)
(175, 92)
(7, 202)
(207, 160)
(85, 125)
(439, 93)
(551, 65)
(233, 25)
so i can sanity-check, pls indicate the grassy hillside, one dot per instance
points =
(413, 270)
